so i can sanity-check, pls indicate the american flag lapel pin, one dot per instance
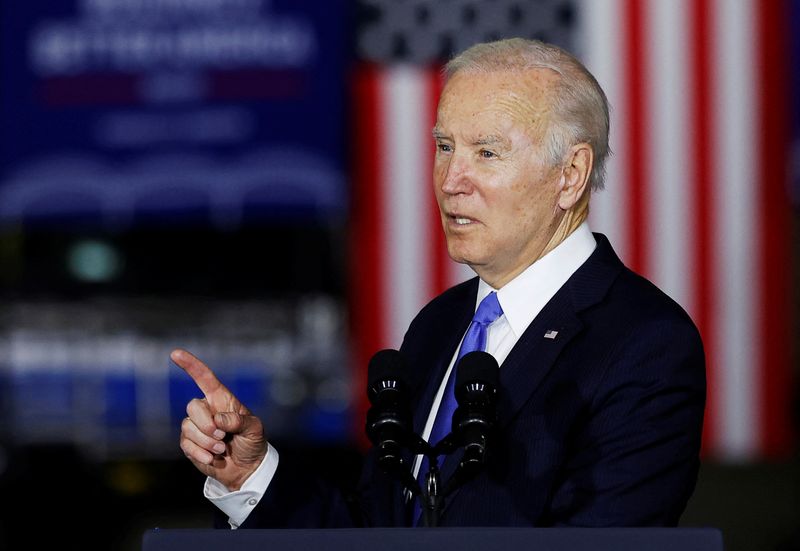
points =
(551, 334)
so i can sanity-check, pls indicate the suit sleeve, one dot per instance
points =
(635, 458)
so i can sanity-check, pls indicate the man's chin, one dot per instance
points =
(462, 257)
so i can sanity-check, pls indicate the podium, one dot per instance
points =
(440, 539)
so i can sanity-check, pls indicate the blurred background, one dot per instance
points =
(250, 180)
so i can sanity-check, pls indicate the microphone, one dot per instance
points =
(477, 381)
(389, 419)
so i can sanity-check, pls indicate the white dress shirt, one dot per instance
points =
(521, 299)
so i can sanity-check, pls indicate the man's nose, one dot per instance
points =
(457, 176)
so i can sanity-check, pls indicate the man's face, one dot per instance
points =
(497, 196)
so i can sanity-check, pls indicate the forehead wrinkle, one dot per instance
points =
(531, 115)
(523, 99)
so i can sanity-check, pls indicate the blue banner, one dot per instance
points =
(124, 112)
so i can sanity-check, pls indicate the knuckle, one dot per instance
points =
(197, 404)
(192, 406)
(208, 429)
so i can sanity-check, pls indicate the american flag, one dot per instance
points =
(696, 195)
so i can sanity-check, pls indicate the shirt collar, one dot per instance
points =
(523, 297)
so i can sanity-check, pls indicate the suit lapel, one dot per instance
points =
(556, 325)
(534, 355)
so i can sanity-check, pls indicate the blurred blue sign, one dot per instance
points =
(123, 112)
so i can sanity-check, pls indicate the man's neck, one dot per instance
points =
(572, 219)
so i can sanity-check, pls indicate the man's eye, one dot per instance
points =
(486, 154)
(444, 148)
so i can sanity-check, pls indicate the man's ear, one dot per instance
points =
(575, 175)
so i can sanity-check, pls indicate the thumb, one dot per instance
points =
(239, 423)
(229, 421)
(245, 424)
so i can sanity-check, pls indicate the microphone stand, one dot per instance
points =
(430, 494)
(391, 461)
(433, 491)
(433, 495)
(471, 462)
(432, 503)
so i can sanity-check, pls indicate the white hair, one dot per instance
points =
(579, 106)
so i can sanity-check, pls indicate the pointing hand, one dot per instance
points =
(220, 435)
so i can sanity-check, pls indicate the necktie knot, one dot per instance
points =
(488, 310)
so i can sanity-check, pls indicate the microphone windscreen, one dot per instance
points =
(478, 366)
(386, 364)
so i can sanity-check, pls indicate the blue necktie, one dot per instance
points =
(488, 311)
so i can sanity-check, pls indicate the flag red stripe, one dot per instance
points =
(774, 322)
(636, 135)
(366, 255)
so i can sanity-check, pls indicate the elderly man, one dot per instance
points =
(602, 380)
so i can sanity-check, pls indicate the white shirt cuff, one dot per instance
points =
(237, 505)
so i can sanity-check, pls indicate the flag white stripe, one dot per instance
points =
(736, 234)
(670, 209)
(602, 52)
(405, 218)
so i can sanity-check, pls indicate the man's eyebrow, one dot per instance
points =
(491, 139)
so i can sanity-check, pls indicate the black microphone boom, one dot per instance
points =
(389, 419)
(477, 380)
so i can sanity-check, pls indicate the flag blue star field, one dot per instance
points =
(696, 196)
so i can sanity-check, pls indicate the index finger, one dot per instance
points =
(200, 373)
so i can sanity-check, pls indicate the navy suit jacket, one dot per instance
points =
(599, 426)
